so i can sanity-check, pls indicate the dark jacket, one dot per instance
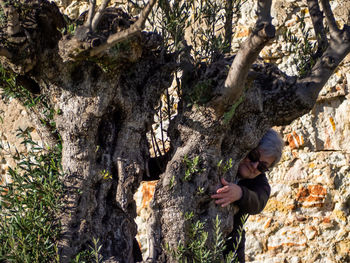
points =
(255, 194)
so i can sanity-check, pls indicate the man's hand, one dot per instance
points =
(227, 194)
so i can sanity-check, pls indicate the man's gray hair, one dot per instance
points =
(272, 145)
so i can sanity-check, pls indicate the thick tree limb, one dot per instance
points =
(317, 21)
(133, 30)
(99, 14)
(13, 26)
(333, 27)
(325, 66)
(264, 11)
(339, 47)
(249, 51)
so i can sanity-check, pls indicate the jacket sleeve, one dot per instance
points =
(255, 194)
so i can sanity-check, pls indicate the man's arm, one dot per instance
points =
(255, 194)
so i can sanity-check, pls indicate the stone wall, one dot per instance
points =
(12, 117)
(307, 217)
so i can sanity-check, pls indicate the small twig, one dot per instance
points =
(161, 125)
(154, 142)
(153, 146)
(99, 14)
(168, 103)
(133, 30)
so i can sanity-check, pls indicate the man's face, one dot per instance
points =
(248, 169)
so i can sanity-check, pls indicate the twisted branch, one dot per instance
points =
(317, 21)
(226, 95)
(338, 48)
(99, 14)
(88, 23)
(133, 30)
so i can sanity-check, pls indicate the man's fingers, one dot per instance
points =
(216, 196)
(220, 201)
(223, 189)
(219, 195)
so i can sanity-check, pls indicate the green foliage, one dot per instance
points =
(199, 249)
(30, 203)
(200, 190)
(189, 215)
(223, 168)
(209, 14)
(90, 256)
(175, 19)
(172, 182)
(302, 48)
(10, 89)
(200, 93)
(120, 47)
(1, 117)
(69, 29)
(106, 174)
(219, 241)
(204, 19)
(192, 167)
(232, 256)
(70, 26)
(229, 114)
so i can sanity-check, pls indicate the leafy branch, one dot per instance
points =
(302, 47)
(192, 167)
(30, 204)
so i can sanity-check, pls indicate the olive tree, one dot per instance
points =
(103, 77)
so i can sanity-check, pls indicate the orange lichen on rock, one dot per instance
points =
(311, 196)
(268, 223)
(147, 190)
(243, 32)
(326, 220)
(274, 205)
(295, 140)
(331, 120)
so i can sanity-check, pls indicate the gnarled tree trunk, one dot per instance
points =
(104, 83)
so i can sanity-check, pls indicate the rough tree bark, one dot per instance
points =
(105, 91)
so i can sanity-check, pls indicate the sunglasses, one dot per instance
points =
(254, 156)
